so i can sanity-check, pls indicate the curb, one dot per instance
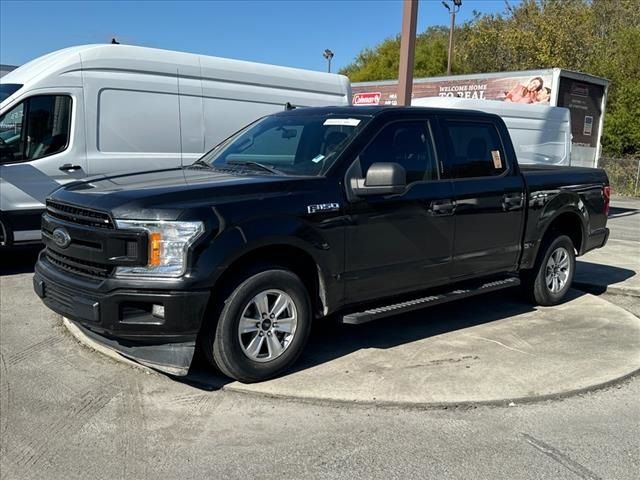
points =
(507, 402)
(241, 389)
(93, 345)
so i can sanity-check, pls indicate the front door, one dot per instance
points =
(403, 242)
(41, 147)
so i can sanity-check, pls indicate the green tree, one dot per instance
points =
(601, 37)
(382, 61)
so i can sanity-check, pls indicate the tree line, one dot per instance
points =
(599, 37)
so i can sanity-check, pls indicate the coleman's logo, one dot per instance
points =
(61, 237)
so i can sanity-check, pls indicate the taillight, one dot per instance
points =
(606, 193)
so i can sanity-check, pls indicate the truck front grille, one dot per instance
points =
(79, 267)
(82, 216)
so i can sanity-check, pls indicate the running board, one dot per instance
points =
(418, 303)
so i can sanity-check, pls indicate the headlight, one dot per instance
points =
(168, 245)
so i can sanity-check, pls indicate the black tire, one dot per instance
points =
(534, 282)
(220, 342)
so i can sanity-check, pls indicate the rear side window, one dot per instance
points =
(475, 150)
(36, 128)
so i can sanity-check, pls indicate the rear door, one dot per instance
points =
(403, 242)
(488, 192)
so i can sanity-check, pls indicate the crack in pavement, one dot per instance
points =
(561, 458)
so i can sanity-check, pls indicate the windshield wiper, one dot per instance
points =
(250, 163)
(200, 163)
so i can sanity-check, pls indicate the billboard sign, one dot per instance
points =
(518, 89)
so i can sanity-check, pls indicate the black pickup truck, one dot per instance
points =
(362, 212)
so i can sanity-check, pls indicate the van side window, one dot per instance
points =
(408, 143)
(36, 128)
(475, 150)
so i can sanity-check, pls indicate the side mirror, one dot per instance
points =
(382, 179)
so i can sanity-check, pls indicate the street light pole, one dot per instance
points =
(407, 51)
(328, 54)
(452, 12)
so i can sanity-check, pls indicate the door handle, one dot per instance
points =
(68, 167)
(512, 202)
(442, 207)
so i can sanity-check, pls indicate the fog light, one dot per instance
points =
(158, 311)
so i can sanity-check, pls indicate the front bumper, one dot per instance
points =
(122, 318)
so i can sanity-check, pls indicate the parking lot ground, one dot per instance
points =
(68, 412)
(616, 267)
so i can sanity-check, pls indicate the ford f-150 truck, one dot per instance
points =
(360, 212)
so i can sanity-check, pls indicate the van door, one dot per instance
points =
(41, 147)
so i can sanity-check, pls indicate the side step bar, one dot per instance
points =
(418, 303)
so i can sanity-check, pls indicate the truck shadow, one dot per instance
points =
(17, 260)
(617, 212)
(595, 278)
(331, 340)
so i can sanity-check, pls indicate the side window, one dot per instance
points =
(476, 150)
(48, 125)
(36, 128)
(408, 143)
(11, 144)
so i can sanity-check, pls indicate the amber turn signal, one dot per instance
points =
(154, 249)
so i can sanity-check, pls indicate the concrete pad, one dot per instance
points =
(490, 349)
(487, 350)
(614, 269)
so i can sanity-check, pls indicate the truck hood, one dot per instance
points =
(166, 194)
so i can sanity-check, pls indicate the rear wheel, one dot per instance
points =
(263, 326)
(550, 280)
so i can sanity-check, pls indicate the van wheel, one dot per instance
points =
(263, 327)
(550, 280)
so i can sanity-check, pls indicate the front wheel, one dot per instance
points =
(263, 327)
(550, 280)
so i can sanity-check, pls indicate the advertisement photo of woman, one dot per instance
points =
(526, 93)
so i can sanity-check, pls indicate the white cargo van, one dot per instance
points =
(540, 134)
(101, 109)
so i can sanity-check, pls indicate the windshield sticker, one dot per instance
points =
(346, 122)
(497, 161)
(318, 158)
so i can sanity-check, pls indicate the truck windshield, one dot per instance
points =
(8, 89)
(298, 144)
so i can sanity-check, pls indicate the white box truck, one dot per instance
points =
(101, 109)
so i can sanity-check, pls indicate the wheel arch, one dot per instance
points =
(291, 257)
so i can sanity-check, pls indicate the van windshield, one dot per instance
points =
(8, 89)
(297, 144)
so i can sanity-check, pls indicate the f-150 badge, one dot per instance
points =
(323, 207)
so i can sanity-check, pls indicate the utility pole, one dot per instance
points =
(452, 12)
(407, 51)
(328, 54)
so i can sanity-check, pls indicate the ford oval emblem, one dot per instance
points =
(61, 237)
